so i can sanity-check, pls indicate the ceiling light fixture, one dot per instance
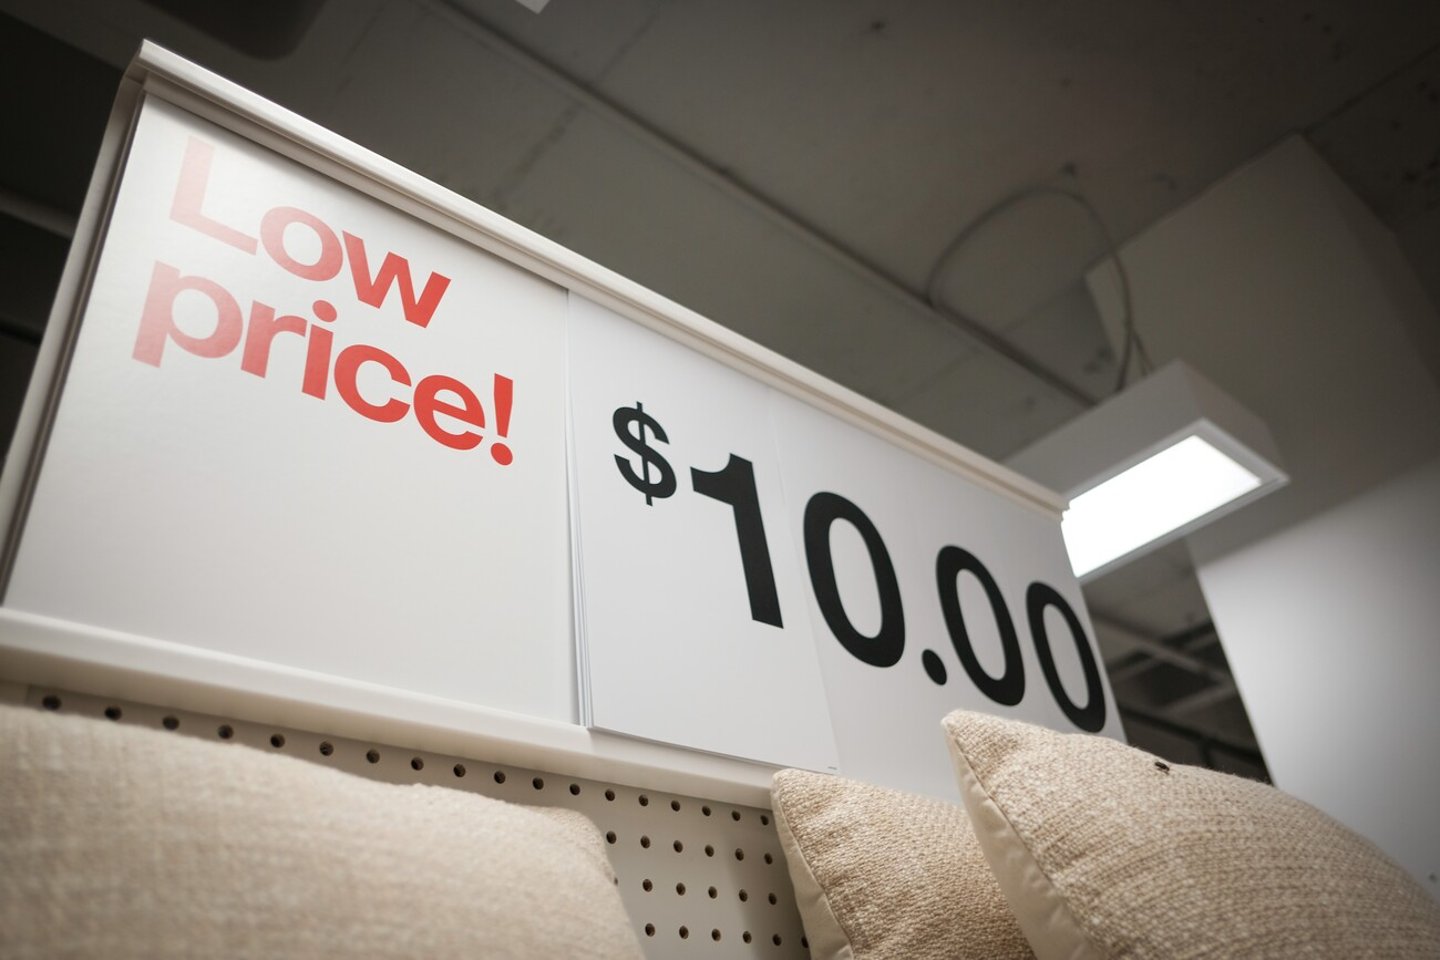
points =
(1153, 463)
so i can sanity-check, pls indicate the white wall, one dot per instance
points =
(1283, 288)
(1333, 630)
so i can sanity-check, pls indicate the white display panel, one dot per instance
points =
(855, 548)
(239, 463)
(885, 643)
(689, 638)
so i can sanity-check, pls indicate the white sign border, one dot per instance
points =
(40, 651)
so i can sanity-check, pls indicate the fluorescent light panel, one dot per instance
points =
(1152, 463)
(1161, 494)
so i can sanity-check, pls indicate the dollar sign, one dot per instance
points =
(663, 485)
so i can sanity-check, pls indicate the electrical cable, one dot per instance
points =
(1133, 345)
(577, 90)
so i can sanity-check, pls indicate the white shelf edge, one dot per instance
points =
(43, 651)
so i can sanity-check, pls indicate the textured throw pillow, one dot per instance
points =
(122, 842)
(1104, 851)
(879, 873)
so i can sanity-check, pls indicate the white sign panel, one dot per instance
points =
(301, 427)
(692, 607)
(740, 552)
(922, 587)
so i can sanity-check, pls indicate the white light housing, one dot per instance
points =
(1153, 463)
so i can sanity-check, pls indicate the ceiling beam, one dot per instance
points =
(771, 208)
(1154, 649)
(37, 214)
(1199, 700)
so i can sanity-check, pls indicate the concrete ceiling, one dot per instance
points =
(798, 171)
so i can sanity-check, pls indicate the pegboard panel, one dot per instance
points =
(698, 878)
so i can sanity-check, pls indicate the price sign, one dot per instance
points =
(297, 429)
(725, 529)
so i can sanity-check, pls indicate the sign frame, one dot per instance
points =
(35, 649)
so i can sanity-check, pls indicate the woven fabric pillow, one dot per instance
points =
(879, 873)
(1104, 851)
(124, 842)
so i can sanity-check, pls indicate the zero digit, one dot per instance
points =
(883, 649)
(1091, 717)
(1009, 687)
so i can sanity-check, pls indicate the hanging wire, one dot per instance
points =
(1133, 348)
(461, 15)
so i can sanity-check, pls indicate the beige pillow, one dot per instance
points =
(879, 873)
(1105, 851)
(122, 842)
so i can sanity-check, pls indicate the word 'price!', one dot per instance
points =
(735, 485)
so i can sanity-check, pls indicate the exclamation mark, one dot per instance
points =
(504, 400)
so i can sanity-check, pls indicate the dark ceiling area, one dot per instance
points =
(49, 162)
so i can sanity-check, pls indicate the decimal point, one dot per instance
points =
(501, 454)
(934, 666)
